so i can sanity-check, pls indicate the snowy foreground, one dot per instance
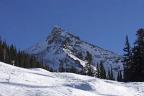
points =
(15, 81)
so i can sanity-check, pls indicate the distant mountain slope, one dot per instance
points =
(63, 47)
(15, 81)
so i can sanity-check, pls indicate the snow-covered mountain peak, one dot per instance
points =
(62, 47)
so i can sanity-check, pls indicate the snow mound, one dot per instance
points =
(15, 81)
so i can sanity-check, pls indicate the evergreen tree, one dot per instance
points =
(1, 50)
(61, 66)
(137, 68)
(119, 77)
(88, 69)
(98, 71)
(73, 69)
(110, 75)
(102, 72)
(127, 59)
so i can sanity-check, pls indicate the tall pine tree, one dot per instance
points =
(102, 71)
(88, 69)
(138, 58)
(127, 59)
(119, 76)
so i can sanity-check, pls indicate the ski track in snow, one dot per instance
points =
(15, 81)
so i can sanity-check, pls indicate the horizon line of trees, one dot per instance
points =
(9, 54)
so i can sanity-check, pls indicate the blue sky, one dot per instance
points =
(100, 22)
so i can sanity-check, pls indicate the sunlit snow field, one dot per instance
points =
(15, 81)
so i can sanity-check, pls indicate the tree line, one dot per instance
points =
(9, 54)
(89, 70)
(99, 71)
(133, 62)
(133, 58)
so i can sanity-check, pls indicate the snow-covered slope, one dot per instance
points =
(15, 81)
(63, 47)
